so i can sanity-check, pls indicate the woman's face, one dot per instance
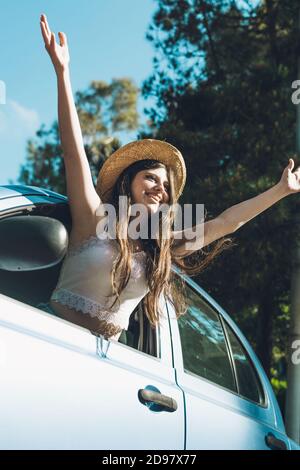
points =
(151, 188)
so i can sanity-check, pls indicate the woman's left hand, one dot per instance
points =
(290, 181)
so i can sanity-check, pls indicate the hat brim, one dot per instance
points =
(143, 149)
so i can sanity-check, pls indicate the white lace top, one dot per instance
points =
(84, 281)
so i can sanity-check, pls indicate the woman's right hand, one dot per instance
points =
(59, 53)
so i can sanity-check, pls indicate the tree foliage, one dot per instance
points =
(222, 82)
(104, 110)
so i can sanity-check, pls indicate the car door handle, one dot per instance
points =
(156, 401)
(274, 443)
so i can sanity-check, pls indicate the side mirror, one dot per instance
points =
(28, 243)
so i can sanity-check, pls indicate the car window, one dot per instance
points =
(248, 381)
(204, 347)
(35, 287)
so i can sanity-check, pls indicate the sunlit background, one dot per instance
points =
(106, 40)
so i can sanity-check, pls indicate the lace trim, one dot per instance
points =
(88, 306)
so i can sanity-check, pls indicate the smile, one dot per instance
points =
(155, 198)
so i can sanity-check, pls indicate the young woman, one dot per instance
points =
(103, 279)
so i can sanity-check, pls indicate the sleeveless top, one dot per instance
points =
(84, 282)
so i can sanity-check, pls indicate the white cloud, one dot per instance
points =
(2, 122)
(17, 125)
(29, 117)
(17, 120)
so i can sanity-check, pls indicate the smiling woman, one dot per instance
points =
(101, 281)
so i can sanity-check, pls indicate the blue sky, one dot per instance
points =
(106, 40)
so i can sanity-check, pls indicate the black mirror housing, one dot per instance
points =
(29, 243)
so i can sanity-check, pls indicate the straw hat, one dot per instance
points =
(140, 150)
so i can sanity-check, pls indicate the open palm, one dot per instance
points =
(59, 53)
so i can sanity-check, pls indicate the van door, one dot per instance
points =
(63, 388)
(228, 405)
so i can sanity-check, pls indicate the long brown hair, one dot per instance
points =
(160, 277)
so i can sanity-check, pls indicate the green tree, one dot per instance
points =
(222, 81)
(104, 110)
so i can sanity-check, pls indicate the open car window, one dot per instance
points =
(35, 287)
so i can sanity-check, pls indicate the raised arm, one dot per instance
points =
(236, 216)
(83, 198)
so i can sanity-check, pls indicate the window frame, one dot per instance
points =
(261, 390)
(223, 317)
(228, 351)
